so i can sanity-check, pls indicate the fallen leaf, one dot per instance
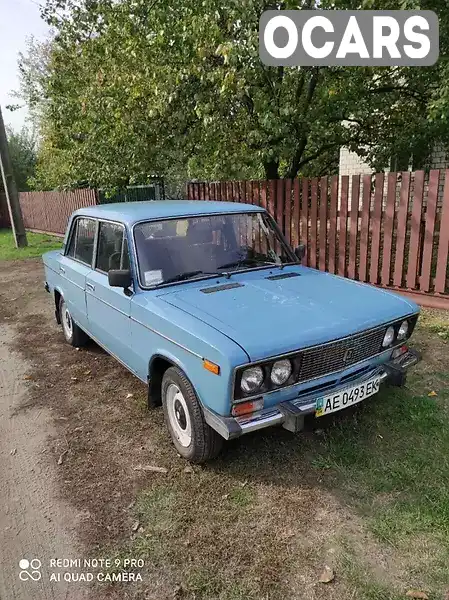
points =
(129, 396)
(417, 594)
(61, 457)
(432, 394)
(151, 468)
(135, 526)
(327, 575)
(178, 592)
(13, 451)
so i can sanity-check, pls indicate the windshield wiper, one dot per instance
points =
(189, 275)
(247, 261)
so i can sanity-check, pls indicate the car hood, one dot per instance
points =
(268, 317)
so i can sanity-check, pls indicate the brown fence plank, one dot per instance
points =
(305, 217)
(415, 229)
(443, 242)
(288, 210)
(295, 213)
(388, 228)
(323, 224)
(431, 209)
(343, 224)
(272, 198)
(280, 201)
(263, 194)
(332, 241)
(313, 222)
(375, 227)
(401, 229)
(355, 193)
(364, 227)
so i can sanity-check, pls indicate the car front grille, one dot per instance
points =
(336, 356)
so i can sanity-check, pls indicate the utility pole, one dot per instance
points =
(12, 197)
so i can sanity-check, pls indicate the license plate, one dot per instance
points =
(347, 397)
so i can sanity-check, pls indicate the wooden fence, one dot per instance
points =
(387, 229)
(49, 212)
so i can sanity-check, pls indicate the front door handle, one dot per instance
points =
(62, 270)
(90, 287)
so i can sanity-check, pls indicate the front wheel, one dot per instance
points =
(191, 435)
(72, 333)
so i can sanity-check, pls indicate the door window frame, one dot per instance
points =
(73, 231)
(97, 239)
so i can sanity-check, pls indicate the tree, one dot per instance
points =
(137, 88)
(22, 149)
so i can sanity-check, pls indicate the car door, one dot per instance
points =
(108, 308)
(75, 265)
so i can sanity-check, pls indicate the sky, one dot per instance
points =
(19, 20)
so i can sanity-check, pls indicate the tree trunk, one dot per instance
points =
(271, 169)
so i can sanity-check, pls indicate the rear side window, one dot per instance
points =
(112, 248)
(81, 246)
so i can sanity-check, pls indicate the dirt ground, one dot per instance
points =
(75, 441)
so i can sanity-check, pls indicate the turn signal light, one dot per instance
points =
(243, 408)
(398, 351)
(210, 366)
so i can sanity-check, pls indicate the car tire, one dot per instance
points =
(72, 333)
(191, 435)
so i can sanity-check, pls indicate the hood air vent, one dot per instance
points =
(220, 288)
(283, 276)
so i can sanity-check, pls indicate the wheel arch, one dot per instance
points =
(157, 366)
(57, 296)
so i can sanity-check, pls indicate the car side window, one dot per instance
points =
(112, 248)
(81, 244)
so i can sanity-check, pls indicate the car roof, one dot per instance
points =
(132, 212)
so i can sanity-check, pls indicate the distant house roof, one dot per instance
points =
(131, 212)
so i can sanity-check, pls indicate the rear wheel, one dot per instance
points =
(191, 435)
(72, 333)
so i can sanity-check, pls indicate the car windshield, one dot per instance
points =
(186, 248)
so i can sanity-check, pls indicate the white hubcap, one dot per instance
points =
(67, 321)
(178, 415)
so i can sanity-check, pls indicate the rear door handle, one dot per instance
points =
(62, 270)
(90, 287)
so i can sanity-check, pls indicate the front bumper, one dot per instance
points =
(291, 414)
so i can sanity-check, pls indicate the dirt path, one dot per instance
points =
(34, 523)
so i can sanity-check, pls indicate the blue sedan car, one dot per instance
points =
(207, 304)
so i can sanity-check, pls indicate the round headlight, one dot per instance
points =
(281, 371)
(403, 331)
(252, 379)
(388, 337)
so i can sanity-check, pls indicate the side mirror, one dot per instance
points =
(300, 251)
(120, 278)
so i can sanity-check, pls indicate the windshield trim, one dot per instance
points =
(207, 214)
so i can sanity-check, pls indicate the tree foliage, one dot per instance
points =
(22, 150)
(135, 88)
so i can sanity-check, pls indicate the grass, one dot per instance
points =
(38, 243)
